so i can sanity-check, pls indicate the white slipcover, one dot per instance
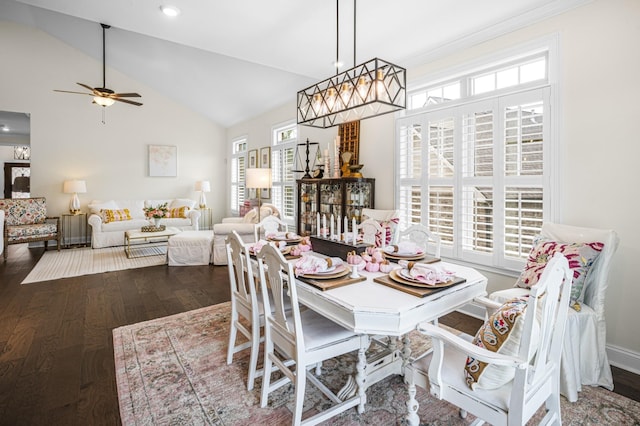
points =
(190, 248)
(1, 231)
(584, 356)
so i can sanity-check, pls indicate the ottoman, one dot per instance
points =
(190, 248)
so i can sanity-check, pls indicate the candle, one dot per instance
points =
(318, 224)
(331, 234)
(338, 227)
(353, 229)
(324, 225)
(326, 153)
(346, 229)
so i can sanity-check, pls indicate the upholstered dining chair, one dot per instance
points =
(511, 367)
(584, 356)
(245, 303)
(268, 225)
(421, 235)
(304, 336)
(371, 232)
(386, 218)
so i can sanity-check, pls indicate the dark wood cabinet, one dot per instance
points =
(340, 197)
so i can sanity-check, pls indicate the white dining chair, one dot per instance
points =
(422, 236)
(371, 230)
(530, 374)
(245, 303)
(268, 225)
(584, 355)
(306, 337)
(390, 217)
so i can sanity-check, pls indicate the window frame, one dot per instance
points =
(278, 150)
(547, 89)
(239, 184)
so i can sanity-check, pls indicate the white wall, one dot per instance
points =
(600, 65)
(68, 139)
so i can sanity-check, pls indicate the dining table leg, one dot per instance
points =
(361, 373)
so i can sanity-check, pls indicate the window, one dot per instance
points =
(284, 142)
(477, 169)
(238, 167)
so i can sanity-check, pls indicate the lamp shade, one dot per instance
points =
(102, 101)
(258, 178)
(74, 187)
(203, 185)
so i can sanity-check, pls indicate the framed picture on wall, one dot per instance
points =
(265, 163)
(253, 158)
(163, 160)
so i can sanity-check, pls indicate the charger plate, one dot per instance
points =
(423, 257)
(396, 276)
(340, 271)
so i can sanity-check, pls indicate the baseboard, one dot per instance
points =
(624, 358)
(618, 356)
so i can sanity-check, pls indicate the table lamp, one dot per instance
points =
(74, 187)
(203, 186)
(258, 178)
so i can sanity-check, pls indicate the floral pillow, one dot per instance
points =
(580, 256)
(502, 333)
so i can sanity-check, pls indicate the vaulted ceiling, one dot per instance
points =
(232, 60)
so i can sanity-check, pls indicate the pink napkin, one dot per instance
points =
(282, 235)
(256, 247)
(427, 273)
(309, 264)
(403, 248)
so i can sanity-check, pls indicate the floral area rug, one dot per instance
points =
(173, 371)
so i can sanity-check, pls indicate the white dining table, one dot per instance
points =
(378, 310)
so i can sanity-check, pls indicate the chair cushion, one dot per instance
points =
(109, 215)
(40, 230)
(501, 333)
(581, 257)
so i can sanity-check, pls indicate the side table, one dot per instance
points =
(205, 222)
(74, 230)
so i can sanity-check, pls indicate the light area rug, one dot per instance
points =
(173, 371)
(67, 263)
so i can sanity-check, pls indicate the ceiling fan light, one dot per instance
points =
(104, 102)
(170, 11)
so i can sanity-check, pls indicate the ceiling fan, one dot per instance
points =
(101, 95)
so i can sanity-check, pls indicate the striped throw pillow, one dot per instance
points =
(115, 215)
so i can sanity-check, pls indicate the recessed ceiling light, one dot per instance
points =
(169, 10)
(4, 127)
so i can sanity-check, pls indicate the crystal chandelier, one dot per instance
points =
(367, 90)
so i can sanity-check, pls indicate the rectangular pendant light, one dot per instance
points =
(367, 90)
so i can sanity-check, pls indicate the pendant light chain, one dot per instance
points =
(354, 33)
(337, 36)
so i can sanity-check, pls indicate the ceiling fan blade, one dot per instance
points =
(125, 95)
(87, 87)
(77, 93)
(127, 101)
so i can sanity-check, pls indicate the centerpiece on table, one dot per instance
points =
(154, 214)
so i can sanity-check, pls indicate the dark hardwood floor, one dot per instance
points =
(56, 358)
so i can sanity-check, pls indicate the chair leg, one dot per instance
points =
(266, 376)
(253, 359)
(232, 336)
(301, 381)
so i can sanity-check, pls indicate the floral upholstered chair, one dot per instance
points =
(26, 221)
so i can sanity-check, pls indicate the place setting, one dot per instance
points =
(325, 273)
(420, 279)
(287, 237)
(407, 250)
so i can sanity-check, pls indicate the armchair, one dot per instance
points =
(244, 226)
(584, 356)
(512, 366)
(26, 221)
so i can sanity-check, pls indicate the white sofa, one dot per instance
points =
(112, 233)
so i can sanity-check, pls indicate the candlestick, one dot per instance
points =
(318, 224)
